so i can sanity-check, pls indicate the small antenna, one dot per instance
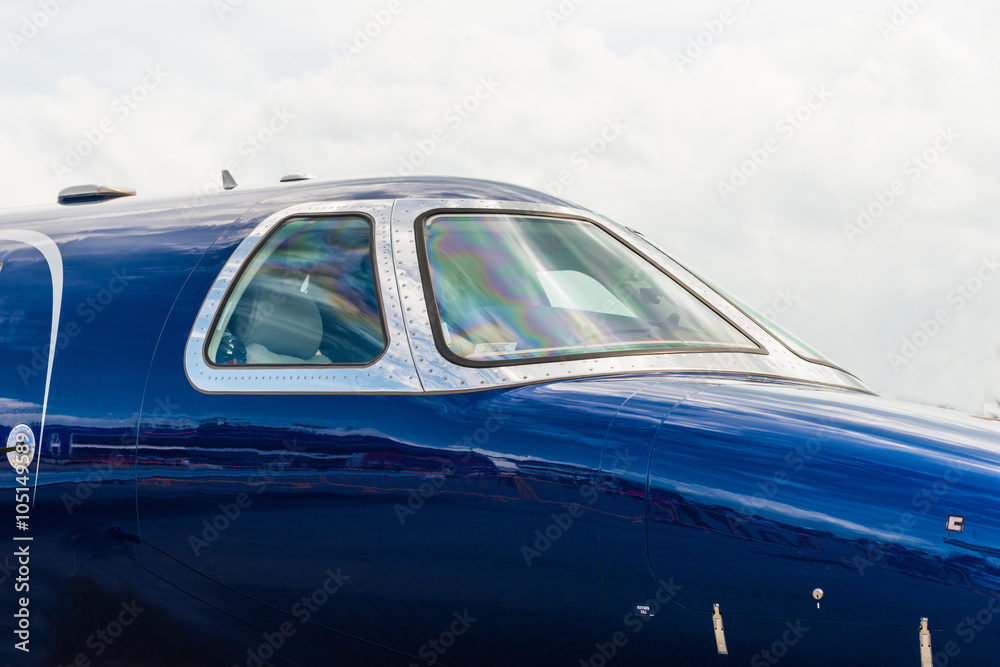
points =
(228, 182)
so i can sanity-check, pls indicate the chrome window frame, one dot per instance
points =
(393, 372)
(235, 282)
(419, 226)
(437, 374)
(413, 363)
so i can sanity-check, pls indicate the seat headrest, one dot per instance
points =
(280, 318)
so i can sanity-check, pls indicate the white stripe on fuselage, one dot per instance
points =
(50, 251)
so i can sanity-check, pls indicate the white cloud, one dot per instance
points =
(685, 131)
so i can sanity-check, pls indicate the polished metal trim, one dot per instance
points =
(437, 374)
(926, 653)
(236, 280)
(720, 632)
(435, 316)
(21, 438)
(407, 322)
(393, 372)
(413, 363)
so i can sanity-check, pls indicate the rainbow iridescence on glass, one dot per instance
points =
(523, 287)
(306, 297)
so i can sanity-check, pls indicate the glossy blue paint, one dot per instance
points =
(525, 525)
(850, 495)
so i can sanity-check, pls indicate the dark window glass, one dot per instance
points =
(307, 297)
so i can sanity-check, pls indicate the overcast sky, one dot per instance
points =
(743, 136)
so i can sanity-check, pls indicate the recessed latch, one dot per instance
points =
(818, 595)
(720, 632)
(926, 655)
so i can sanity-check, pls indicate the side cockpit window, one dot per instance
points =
(307, 297)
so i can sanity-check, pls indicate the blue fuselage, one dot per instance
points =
(574, 521)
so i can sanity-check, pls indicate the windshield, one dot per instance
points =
(786, 337)
(520, 287)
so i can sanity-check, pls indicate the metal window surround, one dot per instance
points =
(393, 372)
(413, 363)
(437, 374)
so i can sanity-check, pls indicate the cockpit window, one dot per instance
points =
(786, 337)
(307, 297)
(513, 287)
